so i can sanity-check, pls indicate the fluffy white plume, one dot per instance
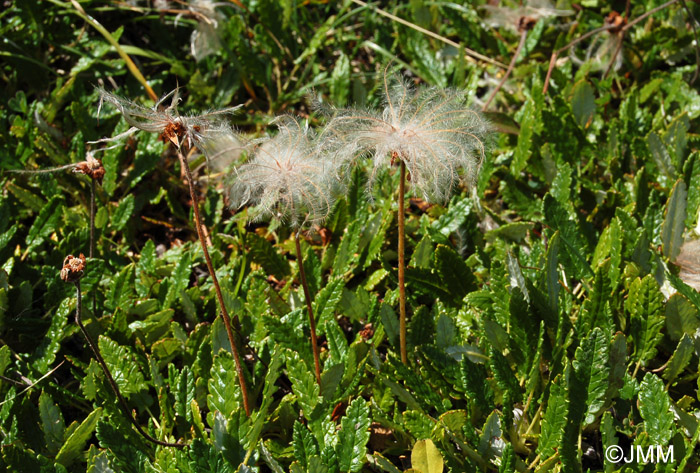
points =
(286, 177)
(431, 130)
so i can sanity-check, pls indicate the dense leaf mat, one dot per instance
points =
(548, 319)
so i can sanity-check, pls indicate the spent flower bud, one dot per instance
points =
(73, 268)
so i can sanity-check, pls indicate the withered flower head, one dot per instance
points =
(180, 130)
(91, 167)
(73, 268)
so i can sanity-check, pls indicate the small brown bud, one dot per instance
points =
(73, 268)
(367, 332)
(91, 167)
(615, 20)
(526, 23)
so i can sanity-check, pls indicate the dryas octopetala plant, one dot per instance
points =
(436, 140)
(288, 178)
(207, 132)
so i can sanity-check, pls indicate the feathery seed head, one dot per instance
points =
(522, 17)
(286, 177)
(431, 130)
(222, 146)
(205, 39)
(187, 130)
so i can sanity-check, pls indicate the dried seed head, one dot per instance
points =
(431, 130)
(91, 167)
(286, 177)
(73, 268)
(206, 38)
(523, 17)
(181, 130)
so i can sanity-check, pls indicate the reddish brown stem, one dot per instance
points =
(219, 297)
(556, 53)
(93, 189)
(312, 321)
(402, 266)
(113, 384)
(598, 30)
(92, 218)
(521, 43)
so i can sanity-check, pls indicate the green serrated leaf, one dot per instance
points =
(304, 383)
(353, 436)
(573, 246)
(568, 445)
(340, 80)
(424, 281)
(644, 304)
(457, 213)
(304, 444)
(595, 351)
(327, 300)
(123, 212)
(265, 255)
(122, 365)
(153, 327)
(661, 156)
(454, 273)
(224, 393)
(51, 423)
(377, 459)
(680, 358)
(390, 322)
(179, 279)
(347, 251)
(45, 223)
(674, 221)
(554, 419)
(681, 317)
(489, 432)
(583, 103)
(530, 124)
(45, 353)
(508, 458)
(120, 288)
(655, 409)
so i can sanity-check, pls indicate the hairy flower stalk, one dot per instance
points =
(402, 263)
(312, 320)
(71, 272)
(184, 132)
(92, 168)
(287, 179)
(429, 132)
